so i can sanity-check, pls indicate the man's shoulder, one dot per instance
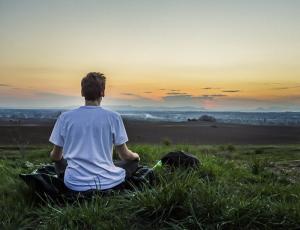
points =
(99, 111)
(68, 113)
(110, 112)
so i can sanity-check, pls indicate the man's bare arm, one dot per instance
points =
(126, 154)
(56, 153)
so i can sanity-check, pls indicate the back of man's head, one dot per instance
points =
(93, 86)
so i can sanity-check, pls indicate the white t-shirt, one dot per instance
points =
(87, 135)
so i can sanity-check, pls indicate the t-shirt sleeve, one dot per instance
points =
(57, 137)
(119, 132)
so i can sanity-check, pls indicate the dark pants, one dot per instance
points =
(129, 166)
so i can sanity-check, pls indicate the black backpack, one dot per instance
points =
(180, 159)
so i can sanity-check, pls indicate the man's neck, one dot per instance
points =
(93, 103)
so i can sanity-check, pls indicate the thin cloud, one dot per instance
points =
(5, 85)
(135, 96)
(170, 90)
(49, 95)
(190, 98)
(209, 88)
(275, 83)
(263, 83)
(148, 92)
(180, 98)
(287, 87)
(178, 93)
(215, 95)
(231, 91)
(129, 94)
(281, 88)
(135, 100)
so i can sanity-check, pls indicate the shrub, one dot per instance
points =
(258, 165)
(166, 141)
(258, 151)
(231, 148)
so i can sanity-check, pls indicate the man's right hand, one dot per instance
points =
(136, 156)
(126, 154)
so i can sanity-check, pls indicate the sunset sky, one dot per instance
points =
(216, 55)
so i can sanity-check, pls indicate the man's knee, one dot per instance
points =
(129, 166)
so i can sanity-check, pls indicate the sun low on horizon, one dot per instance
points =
(214, 55)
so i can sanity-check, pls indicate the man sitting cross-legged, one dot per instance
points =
(85, 138)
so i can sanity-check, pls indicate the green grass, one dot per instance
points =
(236, 187)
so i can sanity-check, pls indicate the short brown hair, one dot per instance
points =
(93, 86)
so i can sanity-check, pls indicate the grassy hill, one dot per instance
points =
(236, 187)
